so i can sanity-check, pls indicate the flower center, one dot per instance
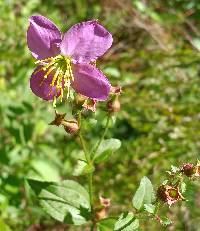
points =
(61, 68)
(173, 193)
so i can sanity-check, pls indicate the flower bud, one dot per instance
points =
(169, 194)
(113, 106)
(188, 169)
(70, 126)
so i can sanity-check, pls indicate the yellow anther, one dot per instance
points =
(55, 77)
(43, 60)
(38, 70)
(49, 71)
(54, 101)
(62, 77)
(52, 63)
(59, 80)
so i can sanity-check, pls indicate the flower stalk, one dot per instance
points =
(89, 156)
(89, 162)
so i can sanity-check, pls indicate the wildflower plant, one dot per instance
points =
(66, 70)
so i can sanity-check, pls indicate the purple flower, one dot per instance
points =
(64, 61)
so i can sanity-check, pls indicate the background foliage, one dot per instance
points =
(154, 58)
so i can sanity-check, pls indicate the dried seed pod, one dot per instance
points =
(113, 106)
(104, 201)
(188, 169)
(102, 212)
(169, 194)
(90, 104)
(59, 118)
(116, 90)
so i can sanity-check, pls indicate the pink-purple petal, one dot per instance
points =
(41, 87)
(86, 41)
(90, 82)
(43, 37)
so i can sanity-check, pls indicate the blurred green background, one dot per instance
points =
(155, 58)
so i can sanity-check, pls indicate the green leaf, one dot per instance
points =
(166, 221)
(174, 169)
(83, 168)
(149, 208)
(144, 194)
(40, 128)
(3, 226)
(126, 222)
(66, 202)
(196, 43)
(183, 187)
(165, 182)
(106, 148)
(106, 224)
(44, 170)
(112, 71)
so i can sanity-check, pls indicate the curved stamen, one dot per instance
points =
(63, 75)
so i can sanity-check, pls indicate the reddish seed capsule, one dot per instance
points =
(102, 212)
(169, 194)
(113, 106)
(188, 169)
(105, 202)
(116, 90)
(71, 126)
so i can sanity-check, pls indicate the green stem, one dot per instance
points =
(87, 155)
(90, 186)
(89, 162)
(157, 208)
(92, 227)
(21, 134)
(101, 139)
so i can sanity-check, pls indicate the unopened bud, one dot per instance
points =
(188, 169)
(113, 106)
(169, 194)
(71, 126)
